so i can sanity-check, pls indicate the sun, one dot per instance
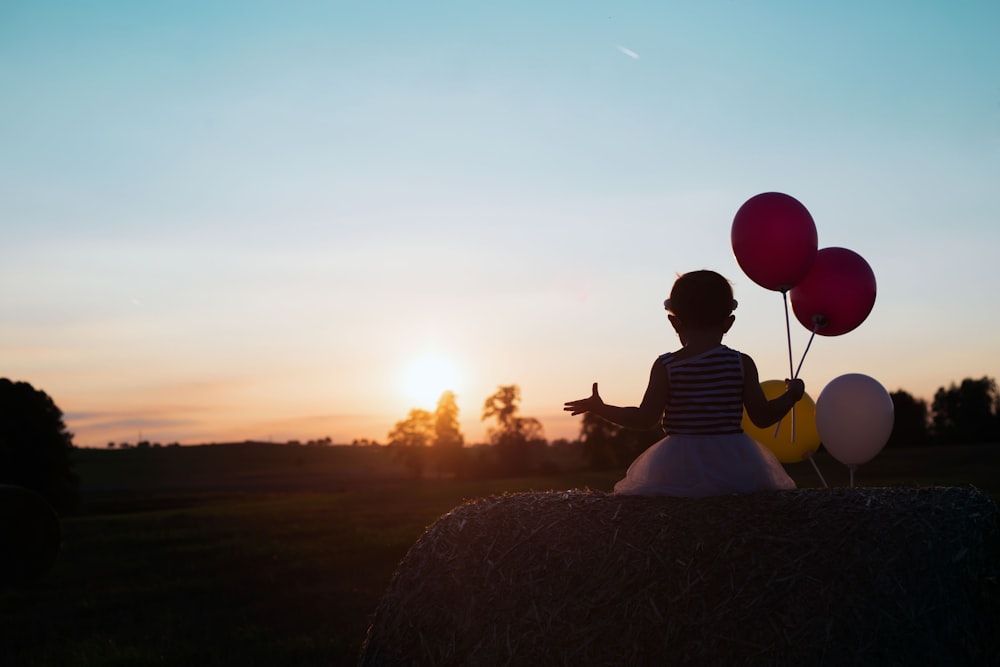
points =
(426, 377)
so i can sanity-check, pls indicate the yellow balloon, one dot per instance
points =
(787, 446)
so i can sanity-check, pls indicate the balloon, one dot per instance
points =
(774, 240)
(783, 446)
(29, 529)
(836, 295)
(854, 416)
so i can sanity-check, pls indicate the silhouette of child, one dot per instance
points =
(699, 393)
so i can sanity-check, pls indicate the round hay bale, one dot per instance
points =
(806, 577)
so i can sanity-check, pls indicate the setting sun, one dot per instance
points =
(427, 377)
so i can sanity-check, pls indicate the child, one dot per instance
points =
(699, 393)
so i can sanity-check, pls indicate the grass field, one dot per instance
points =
(274, 559)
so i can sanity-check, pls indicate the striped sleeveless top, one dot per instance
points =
(706, 393)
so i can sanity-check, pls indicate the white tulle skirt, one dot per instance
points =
(696, 466)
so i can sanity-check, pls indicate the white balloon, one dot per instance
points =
(854, 417)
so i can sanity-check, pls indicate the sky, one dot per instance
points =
(227, 220)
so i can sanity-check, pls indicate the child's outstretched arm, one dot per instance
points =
(764, 412)
(645, 416)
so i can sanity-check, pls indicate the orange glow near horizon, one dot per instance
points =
(428, 376)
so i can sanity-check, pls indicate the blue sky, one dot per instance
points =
(230, 220)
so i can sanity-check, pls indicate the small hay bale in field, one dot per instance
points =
(881, 576)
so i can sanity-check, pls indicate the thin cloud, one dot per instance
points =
(629, 52)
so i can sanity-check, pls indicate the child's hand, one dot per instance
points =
(593, 403)
(795, 388)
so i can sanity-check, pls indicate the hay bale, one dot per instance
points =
(806, 577)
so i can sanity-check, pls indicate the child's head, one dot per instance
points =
(702, 299)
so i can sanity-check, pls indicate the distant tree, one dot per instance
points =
(635, 442)
(35, 446)
(503, 406)
(967, 412)
(448, 445)
(607, 445)
(447, 433)
(411, 437)
(599, 438)
(562, 455)
(417, 430)
(910, 421)
(516, 438)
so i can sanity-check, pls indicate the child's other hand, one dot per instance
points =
(590, 404)
(795, 388)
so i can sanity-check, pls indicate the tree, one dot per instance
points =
(514, 437)
(449, 454)
(447, 433)
(967, 412)
(411, 437)
(35, 446)
(910, 421)
(599, 437)
(607, 445)
(503, 406)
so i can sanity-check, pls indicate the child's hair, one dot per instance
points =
(701, 298)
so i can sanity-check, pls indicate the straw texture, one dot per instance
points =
(806, 577)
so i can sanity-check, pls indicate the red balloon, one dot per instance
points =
(837, 294)
(774, 240)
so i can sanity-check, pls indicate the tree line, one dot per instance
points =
(428, 441)
(35, 445)
(963, 413)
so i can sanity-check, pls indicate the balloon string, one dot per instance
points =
(806, 351)
(788, 337)
(809, 456)
(851, 468)
(796, 374)
(788, 330)
(777, 427)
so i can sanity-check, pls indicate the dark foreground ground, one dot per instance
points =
(280, 556)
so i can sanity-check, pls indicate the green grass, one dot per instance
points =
(241, 577)
(258, 579)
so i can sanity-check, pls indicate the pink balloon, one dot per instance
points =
(774, 240)
(854, 417)
(836, 295)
